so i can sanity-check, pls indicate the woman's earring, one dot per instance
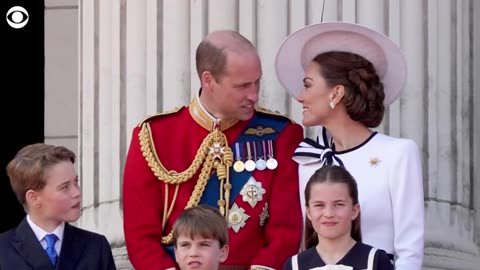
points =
(332, 105)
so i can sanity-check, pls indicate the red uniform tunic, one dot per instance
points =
(177, 137)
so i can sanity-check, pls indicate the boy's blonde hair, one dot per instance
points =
(202, 220)
(27, 169)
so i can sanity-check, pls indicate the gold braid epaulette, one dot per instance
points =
(157, 115)
(215, 138)
(171, 177)
(275, 113)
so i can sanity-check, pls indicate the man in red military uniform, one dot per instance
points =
(221, 150)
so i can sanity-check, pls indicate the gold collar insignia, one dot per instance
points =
(205, 119)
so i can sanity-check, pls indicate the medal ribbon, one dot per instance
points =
(238, 180)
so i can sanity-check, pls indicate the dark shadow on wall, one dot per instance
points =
(22, 93)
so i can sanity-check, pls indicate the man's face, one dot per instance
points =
(236, 92)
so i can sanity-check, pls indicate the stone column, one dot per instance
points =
(391, 122)
(100, 118)
(376, 21)
(297, 19)
(198, 30)
(449, 217)
(176, 62)
(475, 141)
(118, 88)
(269, 35)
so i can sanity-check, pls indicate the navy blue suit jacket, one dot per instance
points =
(81, 250)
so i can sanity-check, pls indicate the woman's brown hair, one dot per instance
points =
(364, 94)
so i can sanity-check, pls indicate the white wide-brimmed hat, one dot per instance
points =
(299, 49)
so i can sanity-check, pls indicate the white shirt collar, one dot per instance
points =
(40, 233)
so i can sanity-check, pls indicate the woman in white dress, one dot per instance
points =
(344, 75)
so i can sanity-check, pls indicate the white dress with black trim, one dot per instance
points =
(389, 178)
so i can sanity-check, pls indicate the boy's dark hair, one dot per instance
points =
(201, 220)
(27, 169)
(331, 174)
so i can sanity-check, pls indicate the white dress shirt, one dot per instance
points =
(40, 234)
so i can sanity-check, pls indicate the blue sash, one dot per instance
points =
(238, 180)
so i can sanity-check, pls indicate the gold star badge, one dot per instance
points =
(237, 218)
(217, 150)
(374, 162)
(252, 192)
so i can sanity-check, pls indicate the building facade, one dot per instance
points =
(110, 63)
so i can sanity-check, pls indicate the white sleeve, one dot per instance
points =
(406, 189)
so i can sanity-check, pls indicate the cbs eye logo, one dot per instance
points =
(17, 17)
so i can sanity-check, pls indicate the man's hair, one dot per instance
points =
(211, 52)
(202, 221)
(210, 58)
(27, 169)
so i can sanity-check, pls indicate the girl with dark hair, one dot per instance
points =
(332, 233)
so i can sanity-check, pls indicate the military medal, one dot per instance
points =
(238, 166)
(260, 164)
(252, 192)
(249, 164)
(271, 162)
(237, 218)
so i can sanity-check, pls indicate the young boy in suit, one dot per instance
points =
(200, 238)
(45, 182)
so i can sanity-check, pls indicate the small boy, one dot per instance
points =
(200, 238)
(45, 182)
